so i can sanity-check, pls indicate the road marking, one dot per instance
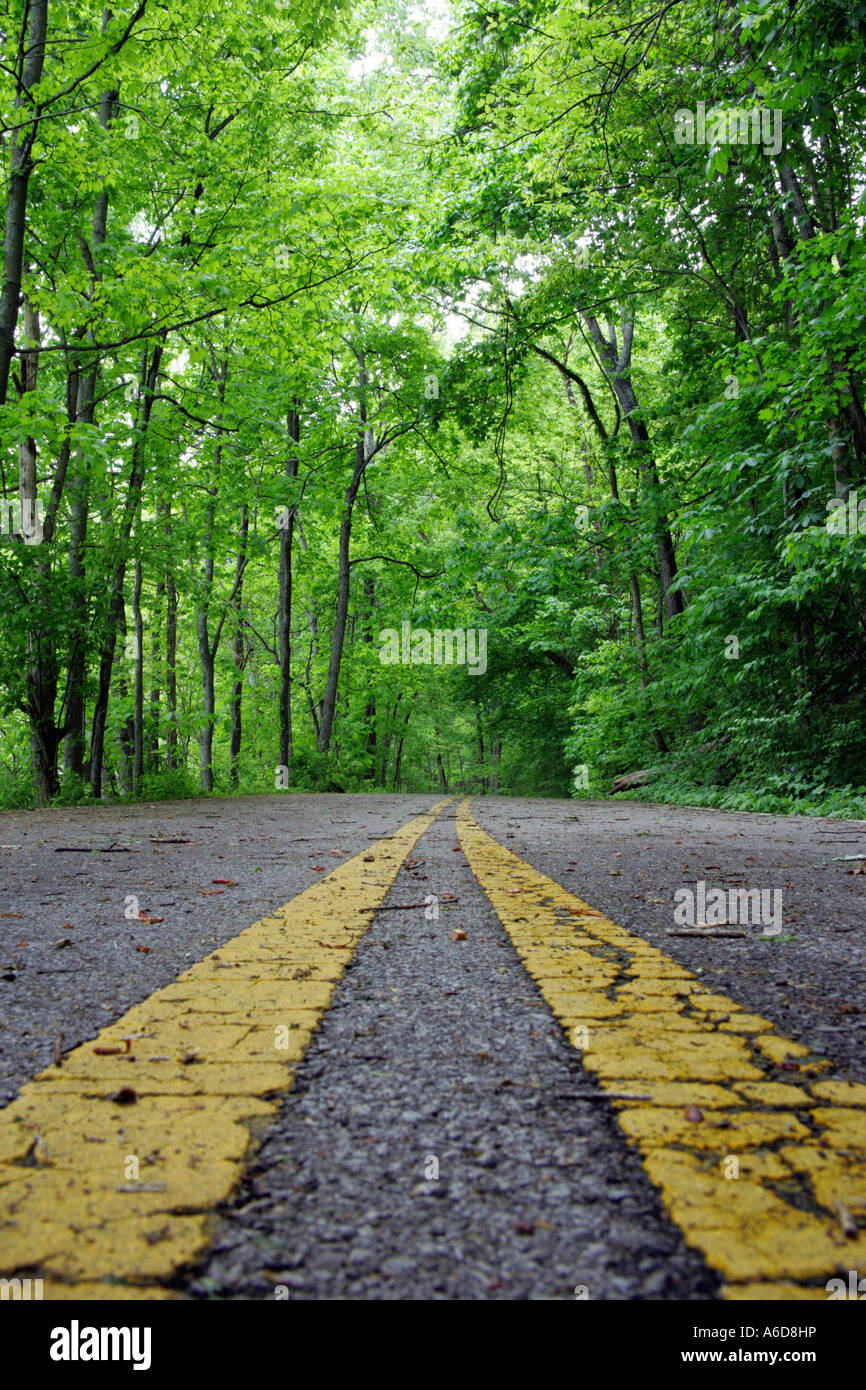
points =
(179, 1107)
(649, 1028)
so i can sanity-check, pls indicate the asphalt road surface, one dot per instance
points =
(389, 1047)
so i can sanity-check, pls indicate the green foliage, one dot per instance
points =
(574, 352)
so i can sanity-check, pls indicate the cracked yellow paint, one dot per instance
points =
(111, 1165)
(754, 1177)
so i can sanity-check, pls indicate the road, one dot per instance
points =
(389, 1047)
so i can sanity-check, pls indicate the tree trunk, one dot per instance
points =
(73, 752)
(370, 708)
(138, 693)
(479, 737)
(73, 749)
(388, 740)
(41, 654)
(238, 652)
(236, 707)
(617, 368)
(42, 662)
(398, 761)
(155, 659)
(640, 642)
(207, 649)
(30, 58)
(171, 760)
(126, 732)
(363, 451)
(207, 658)
(284, 611)
(113, 619)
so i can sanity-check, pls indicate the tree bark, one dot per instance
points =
(479, 740)
(284, 611)
(207, 657)
(73, 752)
(370, 708)
(150, 365)
(171, 741)
(152, 758)
(363, 452)
(41, 655)
(398, 761)
(31, 57)
(238, 653)
(617, 368)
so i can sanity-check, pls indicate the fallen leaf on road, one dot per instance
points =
(457, 936)
(319, 868)
(64, 941)
(143, 917)
(145, 950)
(229, 882)
(211, 892)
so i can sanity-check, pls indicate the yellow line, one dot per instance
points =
(762, 1175)
(111, 1163)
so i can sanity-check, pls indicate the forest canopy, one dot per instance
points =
(404, 396)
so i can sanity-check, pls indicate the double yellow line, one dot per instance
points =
(111, 1165)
